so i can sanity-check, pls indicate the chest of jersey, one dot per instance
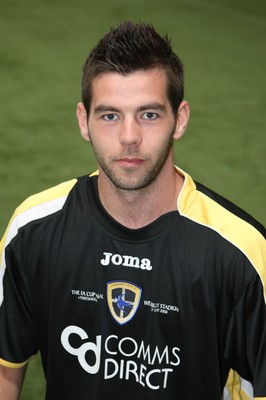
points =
(127, 312)
(133, 312)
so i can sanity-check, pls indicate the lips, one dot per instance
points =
(131, 162)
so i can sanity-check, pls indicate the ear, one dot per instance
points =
(83, 121)
(181, 120)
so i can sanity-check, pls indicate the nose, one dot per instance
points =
(130, 133)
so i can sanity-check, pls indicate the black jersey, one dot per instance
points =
(161, 312)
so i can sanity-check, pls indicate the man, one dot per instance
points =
(134, 281)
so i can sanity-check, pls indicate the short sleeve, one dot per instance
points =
(17, 334)
(245, 348)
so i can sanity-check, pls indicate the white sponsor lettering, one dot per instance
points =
(131, 370)
(81, 351)
(123, 368)
(126, 261)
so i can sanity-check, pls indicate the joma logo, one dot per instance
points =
(126, 261)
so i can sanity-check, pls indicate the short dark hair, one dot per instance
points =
(130, 47)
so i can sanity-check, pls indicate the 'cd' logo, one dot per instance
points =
(123, 300)
(81, 351)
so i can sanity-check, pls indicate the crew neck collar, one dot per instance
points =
(155, 228)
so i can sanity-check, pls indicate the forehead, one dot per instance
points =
(139, 86)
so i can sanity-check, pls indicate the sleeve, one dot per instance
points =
(245, 348)
(18, 341)
(18, 338)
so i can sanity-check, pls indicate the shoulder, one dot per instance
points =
(43, 203)
(234, 212)
(37, 206)
(207, 208)
(204, 206)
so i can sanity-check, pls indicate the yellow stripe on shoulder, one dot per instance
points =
(200, 208)
(47, 195)
(36, 206)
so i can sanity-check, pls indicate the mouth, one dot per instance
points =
(130, 162)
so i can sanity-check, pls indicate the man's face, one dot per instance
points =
(131, 127)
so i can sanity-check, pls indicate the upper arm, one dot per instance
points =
(11, 380)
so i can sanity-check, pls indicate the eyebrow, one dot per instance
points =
(150, 106)
(104, 108)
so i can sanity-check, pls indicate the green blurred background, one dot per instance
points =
(43, 46)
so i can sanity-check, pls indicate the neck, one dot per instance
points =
(137, 208)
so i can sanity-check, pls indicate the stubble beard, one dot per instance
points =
(132, 182)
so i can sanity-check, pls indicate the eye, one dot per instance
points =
(150, 115)
(109, 117)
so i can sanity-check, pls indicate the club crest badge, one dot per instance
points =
(123, 300)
